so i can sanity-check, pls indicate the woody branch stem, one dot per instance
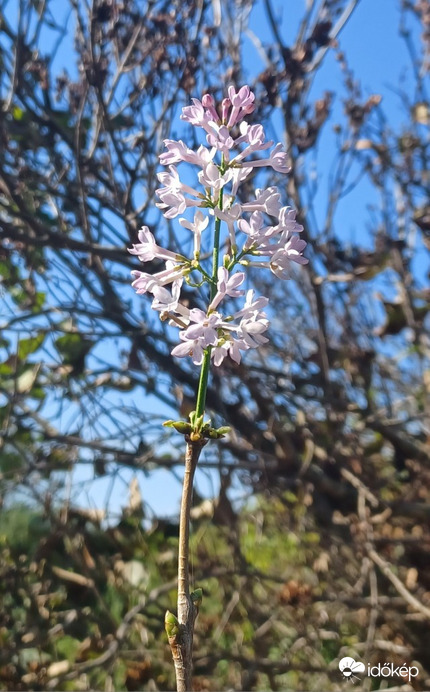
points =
(182, 644)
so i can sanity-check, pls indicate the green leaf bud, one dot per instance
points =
(171, 624)
(179, 425)
(197, 597)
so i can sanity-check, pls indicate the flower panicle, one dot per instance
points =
(261, 232)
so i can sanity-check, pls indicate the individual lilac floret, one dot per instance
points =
(210, 177)
(166, 301)
(144, 281)
(204, 327)
(287, 221)
(278, 160)
(255, 229)
(291, 252)
(251, 330)
(173, 203)
(268, 201)
(147, 249)
(221, 139)
(188, 347)
(208, 102)
(178, 151)
(197, 227)
(242, 102)
(227, 286)
(197, 115)
(228, 347)
(252, 305)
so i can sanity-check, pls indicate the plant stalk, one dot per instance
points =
(204, 372)
(181, 644)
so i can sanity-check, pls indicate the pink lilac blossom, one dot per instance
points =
(268, 231)
(228, 347)
(224, 338)
(230, 216)
(172, 183)
(220, 138)
(287, 220)
(176, 152)
(144, 281)
(192, 348)
(208, 102)
(147, 249)
(254, 136)
(199, 335)
(252, 305)
(210, 177)
(197, 227)
(174, 203)
(251, 329)
(227, 286)
(242, 102)
(238, 176)
(197, 115)
(225, 108)
(277, 160)
(268, 201)
(255, 229)
(168, 302)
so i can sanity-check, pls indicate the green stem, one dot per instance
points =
(203, 273)
(204, 372)
(215, 255)
(203, 383)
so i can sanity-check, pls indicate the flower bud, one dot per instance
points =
(225, 107)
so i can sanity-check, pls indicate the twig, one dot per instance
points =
(181, 643)
(349, 9)
(360, 487)
(72, 577)
(234, 600)
(398, 585)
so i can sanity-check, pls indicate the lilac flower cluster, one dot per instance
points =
(266, 230)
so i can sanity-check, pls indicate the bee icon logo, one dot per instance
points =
(349, 667)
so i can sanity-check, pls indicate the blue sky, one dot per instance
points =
(377, 57)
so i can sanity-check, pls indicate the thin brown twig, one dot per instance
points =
(385, 568)
(181, 644)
